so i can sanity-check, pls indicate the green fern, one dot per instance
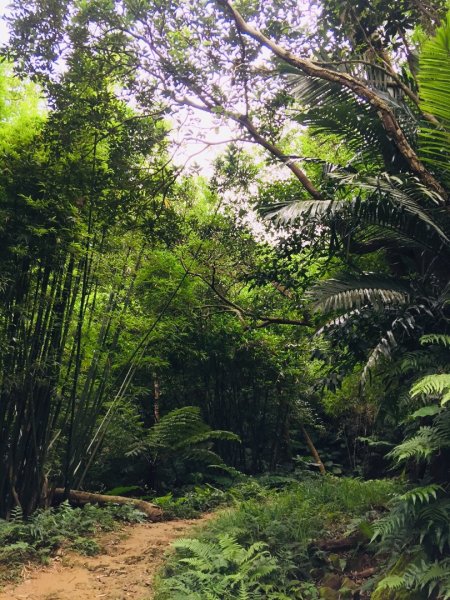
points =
(184, 437)
(222, 570)
(423, 575)
(436, 338)
(391, 582)
(16, 514)
(429, 576)
(420, 446)
(438, 385)
(421, 495)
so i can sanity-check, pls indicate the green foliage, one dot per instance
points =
(45, 531)
(438, 385)
(434, 84)
(194, 502)
(436, 338)
(75, 201)
(426, 442)
(418, 524)
(223, 570)
(183, 428)
(181, 440)
(422, 576)
(93, 230)
(269, 532)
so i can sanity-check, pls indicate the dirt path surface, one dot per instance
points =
(125, 570)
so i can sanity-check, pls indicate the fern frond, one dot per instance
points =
(209, 435)
(420, 447)
(415, 362)
(436, 338)
(391, 582)
(422, 494)
(436, 384)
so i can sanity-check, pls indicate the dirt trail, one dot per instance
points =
(125, 570)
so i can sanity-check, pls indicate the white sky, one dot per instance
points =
(3, 28)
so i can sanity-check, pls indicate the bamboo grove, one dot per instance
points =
(75, 207)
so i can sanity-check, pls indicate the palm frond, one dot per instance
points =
(434, 84)
(331, 109)
(382, 352)
(403, 194)
(290, 212)
(351, 293)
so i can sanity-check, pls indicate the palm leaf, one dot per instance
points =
(350, 293)
(434, 83)
(291, 211)
(402, 194)
(331, 109)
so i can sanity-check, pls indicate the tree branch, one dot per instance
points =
(207, 103)
(242, 313)
(358, 87)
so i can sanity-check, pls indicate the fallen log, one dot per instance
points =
(340, 544)
(153, 512)
(365, 573)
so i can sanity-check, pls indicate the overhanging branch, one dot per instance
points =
(358, 87)
(244, 315)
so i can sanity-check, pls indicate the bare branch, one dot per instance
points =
(243, 314)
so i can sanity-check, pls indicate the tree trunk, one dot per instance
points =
(157, 395)
(153, 512)
(313, 450)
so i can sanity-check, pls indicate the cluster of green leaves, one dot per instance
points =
(40, 535)
(224, 569)
(418, 524)
(192, 502)
(268, 532)
(182, 442)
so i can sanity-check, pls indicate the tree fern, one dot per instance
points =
(183, 437)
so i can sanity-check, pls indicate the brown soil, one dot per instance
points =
(125, 570)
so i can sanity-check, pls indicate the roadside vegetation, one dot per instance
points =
(49, 531)
(281, 543)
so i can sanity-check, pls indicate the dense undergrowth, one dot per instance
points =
(268, 545)
(40, 536)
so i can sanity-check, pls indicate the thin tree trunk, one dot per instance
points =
(313, 450)
(156, 397)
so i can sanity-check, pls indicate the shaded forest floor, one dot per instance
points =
(125, 569)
